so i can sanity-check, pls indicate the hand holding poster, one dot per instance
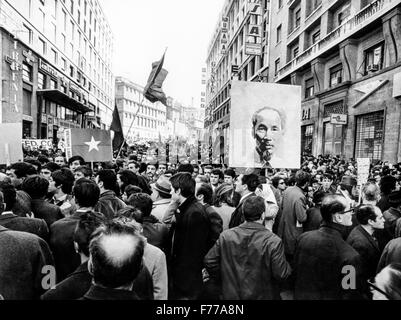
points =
(265, 125)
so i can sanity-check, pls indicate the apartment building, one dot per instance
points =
(56, 66)
(346, 55)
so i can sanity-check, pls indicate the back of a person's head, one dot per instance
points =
(64, 178)
(35, 163)
(364, 213)
(142, 202)
(253, 208)
(130, 190)
(131, 212)
(185, 182)
(186, 167)
(23, 169)
(318, 197)
(207, 192)
(116, 252)
(224, 194)
(371, 192)
(51, 166)
(36, 186)
(86, 193)
(9, 195)
(108, 177)
(87, 224)
(387, 184)
(251, 180)
(331, 205)
(127, 177)
(302, 177)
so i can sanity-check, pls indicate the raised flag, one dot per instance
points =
(153, 90)
(118, 138)
(91, 144)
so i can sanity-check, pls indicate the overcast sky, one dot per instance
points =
(143, 29)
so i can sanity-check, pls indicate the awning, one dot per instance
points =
(63, 99)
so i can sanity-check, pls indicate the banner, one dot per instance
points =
(10, 143)
(253, 44)
(265, 125)
(363, 166)
(35, 144)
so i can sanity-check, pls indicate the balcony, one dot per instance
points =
(357, 22)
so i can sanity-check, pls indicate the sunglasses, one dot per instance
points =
(373, 286)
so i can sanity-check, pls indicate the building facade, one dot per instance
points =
(231, 55)
(149, 122)
(55, 66)
(346, 56)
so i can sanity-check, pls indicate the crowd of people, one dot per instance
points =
(138, 228)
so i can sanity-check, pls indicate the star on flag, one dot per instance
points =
(93, 144)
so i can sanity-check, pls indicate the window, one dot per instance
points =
(276, 66)
(41, 81)
(26, 72)
(53, 84)
(54, 56)
(297, 18)
(26, 35)
(278, 34)
(280, 3)
(306, 139)
(315, 36)
(42, 47)
(65, 20)
(63, 64)
(71, 71)
(374, 58)
(63, 42)
(309, 88)
(336, 75)
(295, 51)
(369, 136)
(27, 102)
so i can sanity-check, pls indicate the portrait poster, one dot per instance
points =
(265, 125)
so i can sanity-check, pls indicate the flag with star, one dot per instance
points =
(91, 144)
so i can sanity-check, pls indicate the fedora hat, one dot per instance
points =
(163, 186)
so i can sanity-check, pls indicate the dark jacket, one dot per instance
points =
(62, 245)
(319, 260)
(391, 254)
(100, 293)
(46, 211)
(237, 217)
(216, 225)
(368, 250)
(294, 210)
(22, 258)
(249, 260)
(109, 204)
(383, 203)
(313, 220)
(79, 282)
(391, 216)
(156, 233)
(31, 225)
(191, 236)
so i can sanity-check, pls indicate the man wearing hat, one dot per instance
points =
(161, 197)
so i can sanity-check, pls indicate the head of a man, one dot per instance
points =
(18, 171)
(106, 180)
(60, 161)
(268, 127)
(86, 193)
(36, 187)
(162, 168)
(133, 166)
(208, 171)
(327, 181)
(335, 208)
(47, 170)
(8, 197)
(116, 252)
(246, 183)
(216, 177)
(183, 186)
(151, 169)
(204, 193)
(61, 182)
(370, 216)
(82, 172)
(75, 161)
(229, 176)
(370, 193)
(254, 209)
(142, 202)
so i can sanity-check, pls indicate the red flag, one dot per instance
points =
(118, 138)
(92, 145)
(153, 90)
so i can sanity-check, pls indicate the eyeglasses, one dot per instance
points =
(373, 286)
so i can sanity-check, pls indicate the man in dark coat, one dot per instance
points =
(245, 185)
(387, 186)
(109, 203)
(362, 239)
(86, 194)
(326, 267)
(314, 217)
(36, 187)
(249, 259)
(191, 236)
(13, 222)
(79, 282)
(294, 207)
(23, 257)
(114, 271)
